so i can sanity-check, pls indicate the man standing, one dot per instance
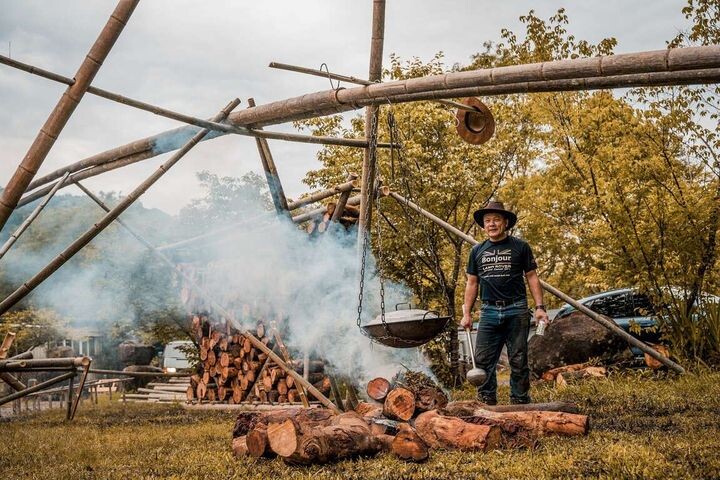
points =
(497, 266)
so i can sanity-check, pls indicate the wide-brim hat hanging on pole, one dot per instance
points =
(495, 207)
(475, 127)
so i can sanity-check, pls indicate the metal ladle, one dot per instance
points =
(476, 376)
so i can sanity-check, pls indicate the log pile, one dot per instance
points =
(232, 371)
(395, 421)
(321, 224)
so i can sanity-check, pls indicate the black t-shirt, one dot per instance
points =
(500, 268)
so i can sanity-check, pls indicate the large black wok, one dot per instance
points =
(406, 328)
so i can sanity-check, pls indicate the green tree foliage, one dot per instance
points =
(611, 190)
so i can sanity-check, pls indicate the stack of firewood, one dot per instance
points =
(404, 420)
(232, 370)
(320, 224)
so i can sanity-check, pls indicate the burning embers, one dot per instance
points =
(231, 370)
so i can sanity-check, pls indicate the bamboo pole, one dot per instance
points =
(286, 356)
(70, 394)
(6, 344)
(372, 115)
(138, 374)
(4, 376)
(64, 109)
(346, 187)
(682, 66)
(80, 390)
(357, 81)
(271, 174)
(189, 119)
(31, 218)
(304, 217)
(256, 343)
(71, 362)
(601, 319)
(98, 227)
(36, 388)
(342, 201)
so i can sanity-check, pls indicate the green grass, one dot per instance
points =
(644, 426)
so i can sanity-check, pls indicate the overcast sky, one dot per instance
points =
(194, 57)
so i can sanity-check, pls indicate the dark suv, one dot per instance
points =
(626, 306)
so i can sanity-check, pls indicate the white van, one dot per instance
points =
(174, 358)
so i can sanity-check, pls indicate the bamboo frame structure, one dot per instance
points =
(65, 107)
(601, 319)
(277, 193)
(682, 66)
(14, 383)
(190, 120)
(31, 218)
(345, 78)
(342, 201)
(304, 217)
(348, 186)
(37, 388)
(98, 227)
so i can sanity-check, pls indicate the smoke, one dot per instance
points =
(279, 272)
(263, 267)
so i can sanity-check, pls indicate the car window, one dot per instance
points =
(642, 306)
(614, 305)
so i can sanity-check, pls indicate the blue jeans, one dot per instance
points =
(500, 326)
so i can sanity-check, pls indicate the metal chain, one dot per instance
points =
(366, 217)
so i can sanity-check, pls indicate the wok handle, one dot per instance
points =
(403, 303)
(472, 350)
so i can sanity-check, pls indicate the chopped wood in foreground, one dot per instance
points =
(318, 436)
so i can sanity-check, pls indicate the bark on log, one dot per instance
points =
(347, 436)
(565, 378)
(399, 404)
(653, 363)
(408, 445)
(439, 431)
(429, 398)
(378, 388)
(467, 407)
(551, 374)
(539, 423)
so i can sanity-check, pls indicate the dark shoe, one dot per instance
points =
(488, 400)
(520, 401)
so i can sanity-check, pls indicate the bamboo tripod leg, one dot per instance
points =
(286, 356)
(80, 390)
(68, 415)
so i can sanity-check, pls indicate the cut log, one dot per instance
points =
(565, 378)
(347, 436)
(257, 442)
(538, 423)
(284, 433)
(653, 363)
(408, 445)
(430, 398)
(439, 431)
(466, 408)
(369, 409)
(239, 446)
(378, 388)
(399, 404)
(550, 375)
